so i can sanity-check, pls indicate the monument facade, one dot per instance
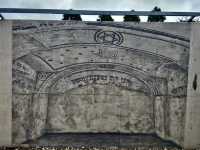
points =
(100, 77)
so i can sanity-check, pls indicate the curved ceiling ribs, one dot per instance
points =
(124, 26)
(184, 41)
(149, 81)
(111, 42)
(132, 50)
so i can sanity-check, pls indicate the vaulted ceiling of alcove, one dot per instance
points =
(57, 45)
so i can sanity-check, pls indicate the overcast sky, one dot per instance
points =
(165, 5)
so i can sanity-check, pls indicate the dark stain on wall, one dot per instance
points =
(194, 85)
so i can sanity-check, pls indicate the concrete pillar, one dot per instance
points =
(192, 124)
(5, 82)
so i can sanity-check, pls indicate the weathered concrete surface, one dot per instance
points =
(101, 108)
(23, 82)
(99, 77)
(5, 82)
(192, 126)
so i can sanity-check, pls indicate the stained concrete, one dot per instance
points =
(192, 125)
(101, 77)
(5, 82)
(100, 108)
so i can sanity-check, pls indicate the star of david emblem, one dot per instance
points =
(109, 37)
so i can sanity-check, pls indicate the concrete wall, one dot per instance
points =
(23, 85)
(192, 127)
(5, 82)
(79, 76)
(100, 109)
(103, 77)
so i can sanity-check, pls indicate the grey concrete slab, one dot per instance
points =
(5, 82)
(192, 124)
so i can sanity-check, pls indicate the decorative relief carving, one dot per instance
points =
(103, 79)
(109, 37)
(125, 69)
(24, 69)
(107, 53)
(179, 91)
(42, 76)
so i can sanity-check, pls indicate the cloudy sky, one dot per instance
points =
(165, 5)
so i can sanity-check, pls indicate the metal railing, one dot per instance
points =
(95, 12)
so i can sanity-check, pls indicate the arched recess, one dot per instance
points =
(82, 77)
(45, 79)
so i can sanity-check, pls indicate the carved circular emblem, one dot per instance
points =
(43, 76)
(109, 37)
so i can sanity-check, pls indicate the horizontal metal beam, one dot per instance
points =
(94, 12)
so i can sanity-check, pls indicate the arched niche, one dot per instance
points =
(126, 91)
(100, 108)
